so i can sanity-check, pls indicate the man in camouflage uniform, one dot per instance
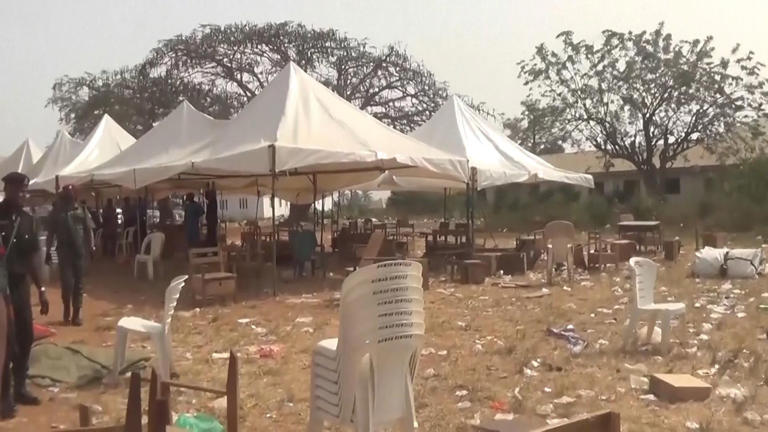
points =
(71, 226)
(20, 251)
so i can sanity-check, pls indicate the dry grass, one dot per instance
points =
(509, 329)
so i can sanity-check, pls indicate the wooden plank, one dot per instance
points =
(373, 248)
(84, 414)
(133, 409)
(151, 414)
(233, 392)
(601, 421)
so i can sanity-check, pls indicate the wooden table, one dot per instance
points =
(642, 228)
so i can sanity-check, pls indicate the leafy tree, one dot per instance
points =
(220, 68)
(647, 98)
(539, 128)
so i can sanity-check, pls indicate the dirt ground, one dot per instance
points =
(485, 345)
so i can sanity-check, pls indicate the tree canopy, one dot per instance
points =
(220, 68)
(646, 97)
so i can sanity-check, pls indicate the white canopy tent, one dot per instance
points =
(105, 141)
(177, 137)
(459, 130)
(22, 159)
(305, 138)
(57, 156)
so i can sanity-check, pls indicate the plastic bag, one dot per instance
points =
(199, 423)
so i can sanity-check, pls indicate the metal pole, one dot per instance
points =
(274, 227)
(471, 232)
(56, 184)
(322, 233)
(314, 203)
(445, 204)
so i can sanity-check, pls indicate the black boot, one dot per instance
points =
(76, 321)
(66, 313)
(24, 397)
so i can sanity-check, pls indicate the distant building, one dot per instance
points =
(241, 207)
(688, 180)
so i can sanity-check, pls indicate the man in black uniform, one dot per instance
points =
(21, 255)
(72, 228)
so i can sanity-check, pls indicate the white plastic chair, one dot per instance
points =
(159, 332)
(151, 251)
(392, 292)
(643, 303)
(559, 237)
(125, 241)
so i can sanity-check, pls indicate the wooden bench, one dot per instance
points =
(601, 421)
(206, 283)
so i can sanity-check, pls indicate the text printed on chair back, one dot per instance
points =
(645, 280)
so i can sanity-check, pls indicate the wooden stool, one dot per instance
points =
(512, 263)
(625, 249)
(473, 271)
(671, 249)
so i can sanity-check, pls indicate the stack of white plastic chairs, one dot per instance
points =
(364, 378)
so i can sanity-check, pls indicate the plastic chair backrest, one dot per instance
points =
(376, 270)
(172, 294)
(444, 226)
(645, 280)
(390, 361)
(559, 229)
(157, 240)
(128, 234)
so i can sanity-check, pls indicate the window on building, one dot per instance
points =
(672, 186)
(600, 187)
(709, 184)
(629, 187)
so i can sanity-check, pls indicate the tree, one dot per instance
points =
(220, 68)
(647, 98)
(539, 128)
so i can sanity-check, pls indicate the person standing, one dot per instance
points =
(211, 219)
(71, 226)
(109, 226)
(193, 211)
(20, 252)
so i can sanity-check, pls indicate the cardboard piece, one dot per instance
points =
(601, 421)
(675, 388)
(517, 424)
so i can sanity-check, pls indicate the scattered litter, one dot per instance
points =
(464, 405)
(648, 398)
(555, 421)
(568, 333)
(442, 353)
(477, 348)
(692, 425)
(427, 351)
(199, 422)
(639, 383)
(461, 393)
(259, 330)
(545, 410)
(430, 373)
(529, 373)
(585, 394)
(462, 325)
(542, 293)
(504, 416)
(637, 369)
(706, 327)
(500, 407)
(752, 418)
(244, 320)
(565, 400)
(730, 390)
(308, 330)
(655, 337)
(219, 405)
(304, 320)
(220, 356)
(302, 300)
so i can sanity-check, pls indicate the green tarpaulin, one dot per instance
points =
(76, 365)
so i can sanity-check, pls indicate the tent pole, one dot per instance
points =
(56, 184)
(471, 233)
(322, 232)
(274, 227)
(445, 204)
(314, 203)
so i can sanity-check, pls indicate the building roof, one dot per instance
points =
(593, 162)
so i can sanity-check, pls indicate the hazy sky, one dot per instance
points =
(473, 44)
